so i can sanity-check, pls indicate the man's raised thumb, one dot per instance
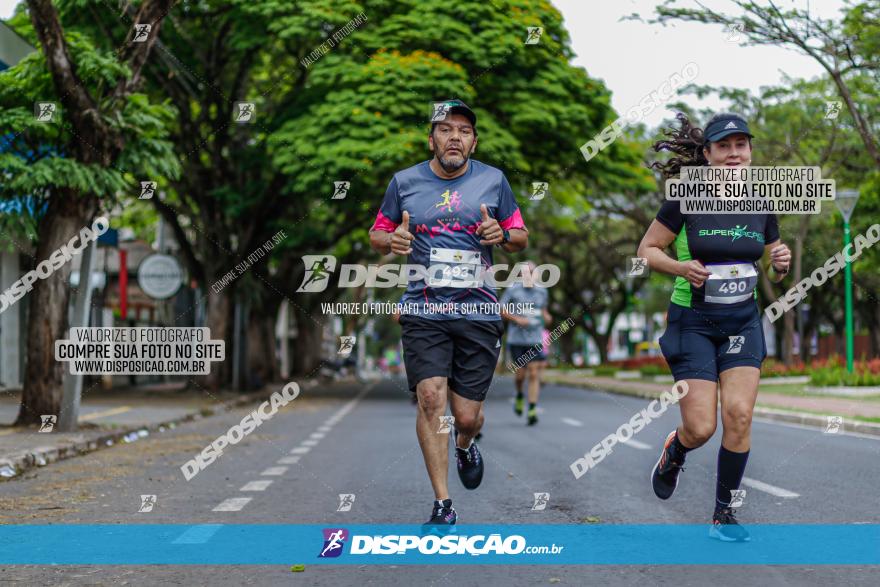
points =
(484, 212)
(405, 221)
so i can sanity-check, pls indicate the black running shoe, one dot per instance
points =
(470, 466)
(533, 416)
(664, 477)
(443, 514)
(726, 528)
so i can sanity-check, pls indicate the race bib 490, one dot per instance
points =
(730, 283)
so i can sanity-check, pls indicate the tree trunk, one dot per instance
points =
(567, 346)
(308, 343)
(601, 341)
(219, 320)
(67, 214)
(261, 357)
(788, 329)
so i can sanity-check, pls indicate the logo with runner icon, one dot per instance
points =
(541, 501)
(346, 345)
(346, 500)
(47, 423)
(318, 270)
(834, 424)
(452, 202)
(147, 503)
(334, 540)
(446, 424)
(45, 111)
(736, 344)
(244, 111)
(533, 35)
(638, 266)
(340, 190)
(737, 498)
(832, 109)
(441, 109)
(539, 190)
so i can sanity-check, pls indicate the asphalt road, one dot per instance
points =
(361, 440)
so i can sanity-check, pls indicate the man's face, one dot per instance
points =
(452, 141)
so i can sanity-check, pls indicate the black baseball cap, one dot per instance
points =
(456, 106)
(726, 125)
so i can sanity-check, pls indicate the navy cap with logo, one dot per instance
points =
(456, 106)
(726, 125)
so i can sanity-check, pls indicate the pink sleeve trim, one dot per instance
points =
(514, 221)
(383, 223)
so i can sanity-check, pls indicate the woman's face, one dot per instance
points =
(733, 150)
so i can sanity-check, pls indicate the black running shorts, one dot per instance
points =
(464, 351)
(522, 355)
(701, 343)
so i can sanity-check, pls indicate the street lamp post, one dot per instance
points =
(846, 203)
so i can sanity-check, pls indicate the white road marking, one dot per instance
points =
(572, 422)
(316, 435)
(325, 429)
(288, 461)
(633, 443)
(198, 534)
(300, 450)
(309, 442)
(767, 488)
(274, 471)
(257, 485)
(233, 504)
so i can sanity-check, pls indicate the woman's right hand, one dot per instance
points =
(694, 272)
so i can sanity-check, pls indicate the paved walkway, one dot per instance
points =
(107, 418)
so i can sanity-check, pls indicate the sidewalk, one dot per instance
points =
(110, 417)
(807, 409)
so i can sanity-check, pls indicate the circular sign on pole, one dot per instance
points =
(160, 276)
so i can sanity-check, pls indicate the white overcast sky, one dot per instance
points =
(634, 58)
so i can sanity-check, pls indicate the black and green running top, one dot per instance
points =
(715, 238)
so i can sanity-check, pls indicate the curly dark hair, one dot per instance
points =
(686, 143)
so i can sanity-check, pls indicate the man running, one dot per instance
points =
(450, 352)
(525, 338)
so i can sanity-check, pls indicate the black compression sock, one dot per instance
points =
(731, 468)
(678, 449)
(443, 503)
(532, 406)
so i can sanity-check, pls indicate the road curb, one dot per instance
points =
(775, 414)
(18, 464)
(817, 420)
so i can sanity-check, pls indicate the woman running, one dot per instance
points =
(713, 333)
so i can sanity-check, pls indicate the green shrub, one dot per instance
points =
(651, 370)
(830, 376)
(605, 371)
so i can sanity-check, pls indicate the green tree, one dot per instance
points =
(103, 135)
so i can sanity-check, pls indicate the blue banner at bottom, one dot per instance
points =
(526, 544)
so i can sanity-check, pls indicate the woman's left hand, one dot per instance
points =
(780, 258)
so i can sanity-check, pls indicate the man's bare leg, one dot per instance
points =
(468, 418)
(435, 446)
